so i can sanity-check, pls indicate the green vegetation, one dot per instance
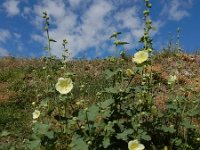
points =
(148, 101)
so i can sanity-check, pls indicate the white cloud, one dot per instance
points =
(38, 38)
(89, 31)
(74, 3)
(89, 24)
(3, 52)
(176, 9)
(5, 34)
(11, 7)
(129, 19)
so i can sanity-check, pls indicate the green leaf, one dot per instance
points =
(81, 115)
(4, 133)
(138, 70)
(109, 73)
(124, 134)
(92, 112)
(177, 141)
(146, 137)
(120, 43)
(50, 134)
(106, 142)
(186, 123)
(115, 34)
(52, 40)
(107, 103)
(112, 90)
(107, 113)
(109, 129)
(78, 143)
(40, 128)
(12, 148)
(44, 103)
(168, 129)
(192, 113)
(34, 145)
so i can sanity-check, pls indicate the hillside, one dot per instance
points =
(19, 77)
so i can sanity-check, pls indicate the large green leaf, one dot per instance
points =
(40, 128)
(78, 143)
(34, 145)
(187, 124)
(92, 112)
(81, 115)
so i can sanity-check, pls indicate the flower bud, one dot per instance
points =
(149, 5)
(89, 142)
(146, 12)
(33, 103)
(129, 72)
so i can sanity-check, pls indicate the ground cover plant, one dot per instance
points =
(138, 102)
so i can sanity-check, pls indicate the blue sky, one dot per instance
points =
(87, 25)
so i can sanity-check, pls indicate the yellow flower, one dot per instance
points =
(135, 145)
(64, 85)
(140, 57)
(129, 72)
(36, 114)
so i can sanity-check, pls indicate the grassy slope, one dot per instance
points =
(17, 78)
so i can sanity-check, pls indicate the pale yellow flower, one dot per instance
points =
(36, 114)
(135, 145)
(64, 85)
(140, 57)
(129, 72)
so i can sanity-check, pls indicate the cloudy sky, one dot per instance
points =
(88, 24)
